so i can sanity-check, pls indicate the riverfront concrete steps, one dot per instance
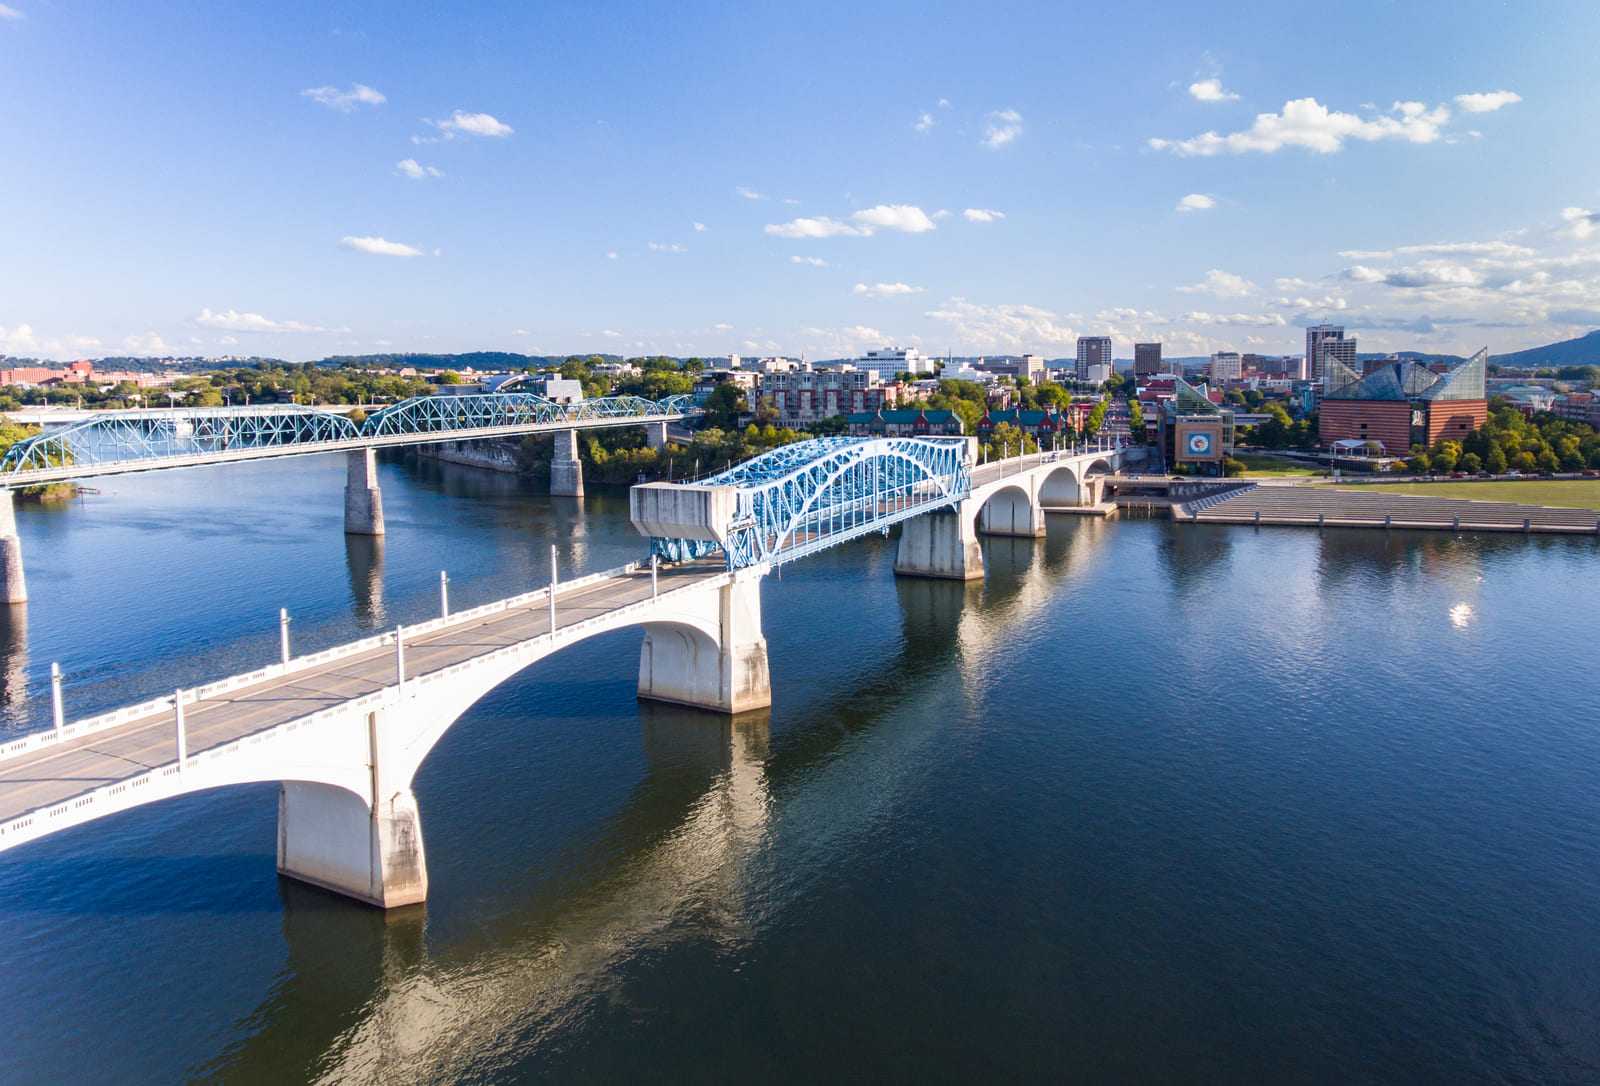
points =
(1304, 504)
(77, 765)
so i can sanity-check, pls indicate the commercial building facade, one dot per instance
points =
(1146, 358)
(807, 396)
(1402, 404)
(1094, 351)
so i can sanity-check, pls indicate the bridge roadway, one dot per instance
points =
(50, 774)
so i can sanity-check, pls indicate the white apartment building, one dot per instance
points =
(892, 360)
(1226, 366)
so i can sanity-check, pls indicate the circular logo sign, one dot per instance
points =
(1199, 444)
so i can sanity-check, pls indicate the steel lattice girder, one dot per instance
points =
(119, 436)
(802, 497)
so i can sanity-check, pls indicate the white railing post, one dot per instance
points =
(283, 635)
(400, 658)
(57, 711)
(444, 594)
(655, 585)
(552, 591)
(183, 739)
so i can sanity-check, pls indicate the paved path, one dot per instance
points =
(1367, 507)
(57, 772)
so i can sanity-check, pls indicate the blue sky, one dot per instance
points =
(305, 179)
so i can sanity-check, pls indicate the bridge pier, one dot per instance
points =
(13, 584)
(363, 501)
(940, 544)
(566, 470)
(681, 665)
(368, 848)
(655, 434)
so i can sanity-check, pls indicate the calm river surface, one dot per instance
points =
(1151, 803)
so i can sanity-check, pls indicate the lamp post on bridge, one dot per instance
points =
(183, 739)
(444, 594)
(57, 710)
(283, 635)
(553, 581)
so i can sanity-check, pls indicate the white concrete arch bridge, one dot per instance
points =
(344, 730)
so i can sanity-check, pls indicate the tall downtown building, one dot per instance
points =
(1324, 341)
(1146, 358)
(1093, 352)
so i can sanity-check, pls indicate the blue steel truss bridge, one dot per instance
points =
(120, 442)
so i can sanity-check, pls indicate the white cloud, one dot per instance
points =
(1254, 320)
(150, 343)
(1367, 254)
(1324, 303)
(1307, 123)
(1292, 282)
(749, 193)
(612, 254)
(378, 246)
(1007, 325)
(9, 12)
(1496, 249)
(520, 332)
(1210, 90)
(410, 167)
(925, 122)
(666, 247)
(884, 290)
(813, 261)
(18, 340)
(1196, 201)
(944, 103)
(1487, 101)
(232, 320)
(610, 333)
(1360, 273)
(1221, 284)
(699, 228)
(472, 124)
(902, 217)
(821, 227)
(345, 101)
(723, 326)
(1581, 222)
(983, 214)
(1004, 126)
(940, 215)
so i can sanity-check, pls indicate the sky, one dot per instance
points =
(305, 179)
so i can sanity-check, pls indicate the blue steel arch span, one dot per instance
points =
(800, 498)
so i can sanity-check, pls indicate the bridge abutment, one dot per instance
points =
(363, 501)
(566, 470)
(13, 583)
(655, 434)
(940, 544)
(681, 665)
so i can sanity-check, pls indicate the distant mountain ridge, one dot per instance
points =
(1583, 351)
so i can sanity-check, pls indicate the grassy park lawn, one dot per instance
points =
(1259, 466)
(1572, 493)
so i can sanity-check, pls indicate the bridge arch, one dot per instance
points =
(1061, 487)
(1012, 509)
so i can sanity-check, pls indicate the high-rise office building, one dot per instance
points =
(1093, 352)
(1146, 358)
(1327, 341)
(1226, 366)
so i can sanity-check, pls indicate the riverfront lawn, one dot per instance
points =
(1571, 493)
(1258, 466)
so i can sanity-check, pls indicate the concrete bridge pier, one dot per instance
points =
(566, 470)
(365, 847)
(13, 584)
(655, 434)
(363, 501)
(941, 544)
(680, 663)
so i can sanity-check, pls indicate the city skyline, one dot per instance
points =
(298, 185)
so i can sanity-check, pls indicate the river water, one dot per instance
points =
(1153, 802)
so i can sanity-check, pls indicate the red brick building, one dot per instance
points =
(1401, 404)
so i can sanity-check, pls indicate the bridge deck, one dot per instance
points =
(61, 771)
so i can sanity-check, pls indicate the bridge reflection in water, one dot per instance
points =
(687, 857)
